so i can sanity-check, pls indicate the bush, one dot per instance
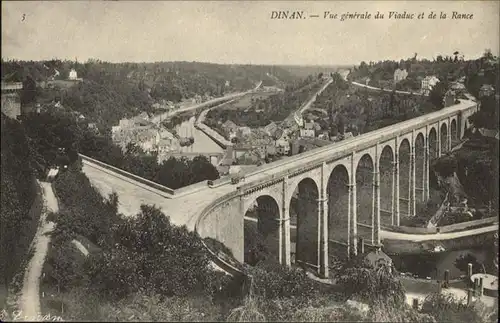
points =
(447, 308)
(272, 280)
(153, 255)
(370, 284)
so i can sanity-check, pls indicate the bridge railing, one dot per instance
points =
(129, 175)
(207, 211)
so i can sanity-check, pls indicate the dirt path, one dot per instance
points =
(29, 300)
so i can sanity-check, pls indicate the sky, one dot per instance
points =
(242, 32)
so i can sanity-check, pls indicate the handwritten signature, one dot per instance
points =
(18, 316)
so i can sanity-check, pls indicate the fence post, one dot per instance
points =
(446, 278)
(476, 286)
(469, 270)
(469, 296)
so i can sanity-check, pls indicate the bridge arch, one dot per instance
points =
(304, 217)
(364, 197)
(386, 171)
(338, 208)
(261, 229)
(444, 138)
(419, 168)
(433, 144)
(404, 177)
(454, 131)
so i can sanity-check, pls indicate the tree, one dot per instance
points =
(152, 255)
(341, 125)
(437, 93)
(54, 137)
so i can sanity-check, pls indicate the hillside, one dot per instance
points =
(20, 201)
(110, 92)
(483, 70)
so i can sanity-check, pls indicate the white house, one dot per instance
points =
(307, 133)
(72, 74)
(400, 74)
(428, 83)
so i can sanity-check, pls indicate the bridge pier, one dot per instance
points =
(413, 201)
(376, 207)
(285, 248)
(323, 215)
(395, 191)
(426, 193)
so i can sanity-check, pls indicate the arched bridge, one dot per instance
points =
(323, 199)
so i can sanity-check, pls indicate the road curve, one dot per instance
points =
(385, 90)
(311, 101)
(436, 236)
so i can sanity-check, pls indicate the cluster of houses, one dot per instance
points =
(145, 134)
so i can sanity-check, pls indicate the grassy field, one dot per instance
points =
(246, 101)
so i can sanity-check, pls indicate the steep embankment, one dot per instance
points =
(21, 203)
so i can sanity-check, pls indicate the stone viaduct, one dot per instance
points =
(315, 206)
(339, 193)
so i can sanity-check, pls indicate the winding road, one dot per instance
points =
(385, 90)
(29, 300)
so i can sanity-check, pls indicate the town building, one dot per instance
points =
(400, 75)
(428, 83)
(307, 133)
(282, 147)
(244, 131)
(73, 75)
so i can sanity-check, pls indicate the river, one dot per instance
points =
(202, 143)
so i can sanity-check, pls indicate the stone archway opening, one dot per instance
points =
(444, 138)
(386, 172)
(364, 198)
(338, 208)
(404, 178)
(454, 133)
(433, 144)
(261, 230)
(304, 223)
(419, 169)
